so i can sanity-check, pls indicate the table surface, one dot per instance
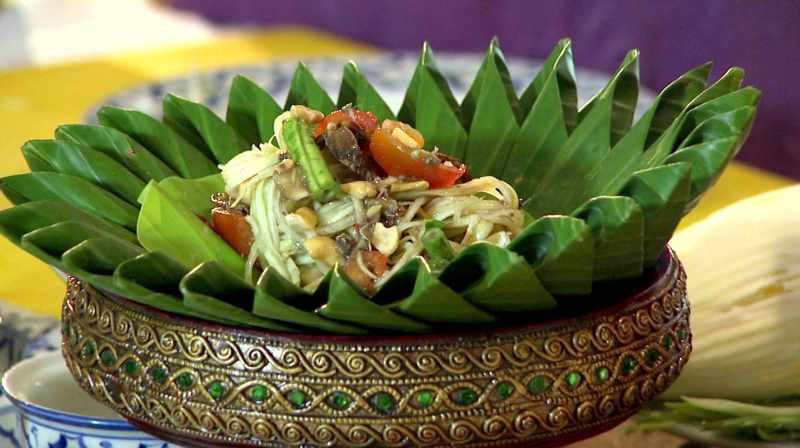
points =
(33, 101)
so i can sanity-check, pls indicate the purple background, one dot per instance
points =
(761, 36)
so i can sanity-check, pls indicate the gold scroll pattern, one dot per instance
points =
(531, 384)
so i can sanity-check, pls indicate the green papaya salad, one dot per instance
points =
(345, 190)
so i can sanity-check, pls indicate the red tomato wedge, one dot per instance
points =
(234, 229)
(364, 122)
(398, 159)
(375, 261)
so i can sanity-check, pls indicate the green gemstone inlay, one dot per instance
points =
(573, 379)
(603, 373)
(216, 390)
(505, 390)
(681, 334)
(339, 400)
(258, 393)
(87, 350)
(297, 398)
(425, 398)
(74, 337)
(107, 357)
(652, 356)
(539, 384)
(384, 402)
(185, 381)
(158, 374)
(667, 342)
(465, 396)
(628, 364)
(130, 367)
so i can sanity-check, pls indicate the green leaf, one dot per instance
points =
(195, 194)
(153, 278)
(498, 280)
(623, 90)
(211, 289)
(663, 146)
(306, 91)
(118, 146)
(158, 138)
(715, 108)
(662, 193)
(94, 261)
(86, 163)
(435, 110)
(432, 301)
(251, 111)
(203, 128)
(266, 304)
(346, 304)
(618, 229)
(49, 243)
(589, 144)
(544, 131)
(169, 226)
(561, 250)
(674, 99)
(42, 186)
(559, 63)
(356, 90)
(614, 171)
(491, 110)
(17, 221)
(492, 68)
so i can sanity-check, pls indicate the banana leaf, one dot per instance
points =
(674, 99)
(617, 225)
(431, 300)
(49, 243)
(663, 146)
(491, 112)
(15, 222)
(624, 92)
(43, 186)
(251, 111)
(158, 138)
(305, 90)
(267, 304)
(497, 280)
(154, 278)
(545, 129)
(203, 128)
(715, 108)
(614, 171)
(94, 261)
(561, 250)
(559, 62)
(584, 149)
(118, 146)
(168, 226)
(662, 193)
(346, 304)
(356, 90)
(195, 194)
(84, 162)
(429, 105)
(212, 290)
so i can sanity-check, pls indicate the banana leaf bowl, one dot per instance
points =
(551, 382)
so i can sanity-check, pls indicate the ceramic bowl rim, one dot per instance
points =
(52, 415)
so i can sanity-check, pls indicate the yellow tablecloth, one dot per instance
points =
(34, 101)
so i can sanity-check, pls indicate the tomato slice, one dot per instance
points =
(400, 160)
(234, 229)
(364, 122)
(375, 261)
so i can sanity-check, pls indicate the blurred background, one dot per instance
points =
(763, 37)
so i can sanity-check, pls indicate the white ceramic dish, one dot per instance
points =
(52, 411)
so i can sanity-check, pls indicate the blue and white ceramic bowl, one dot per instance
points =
(53, 412)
